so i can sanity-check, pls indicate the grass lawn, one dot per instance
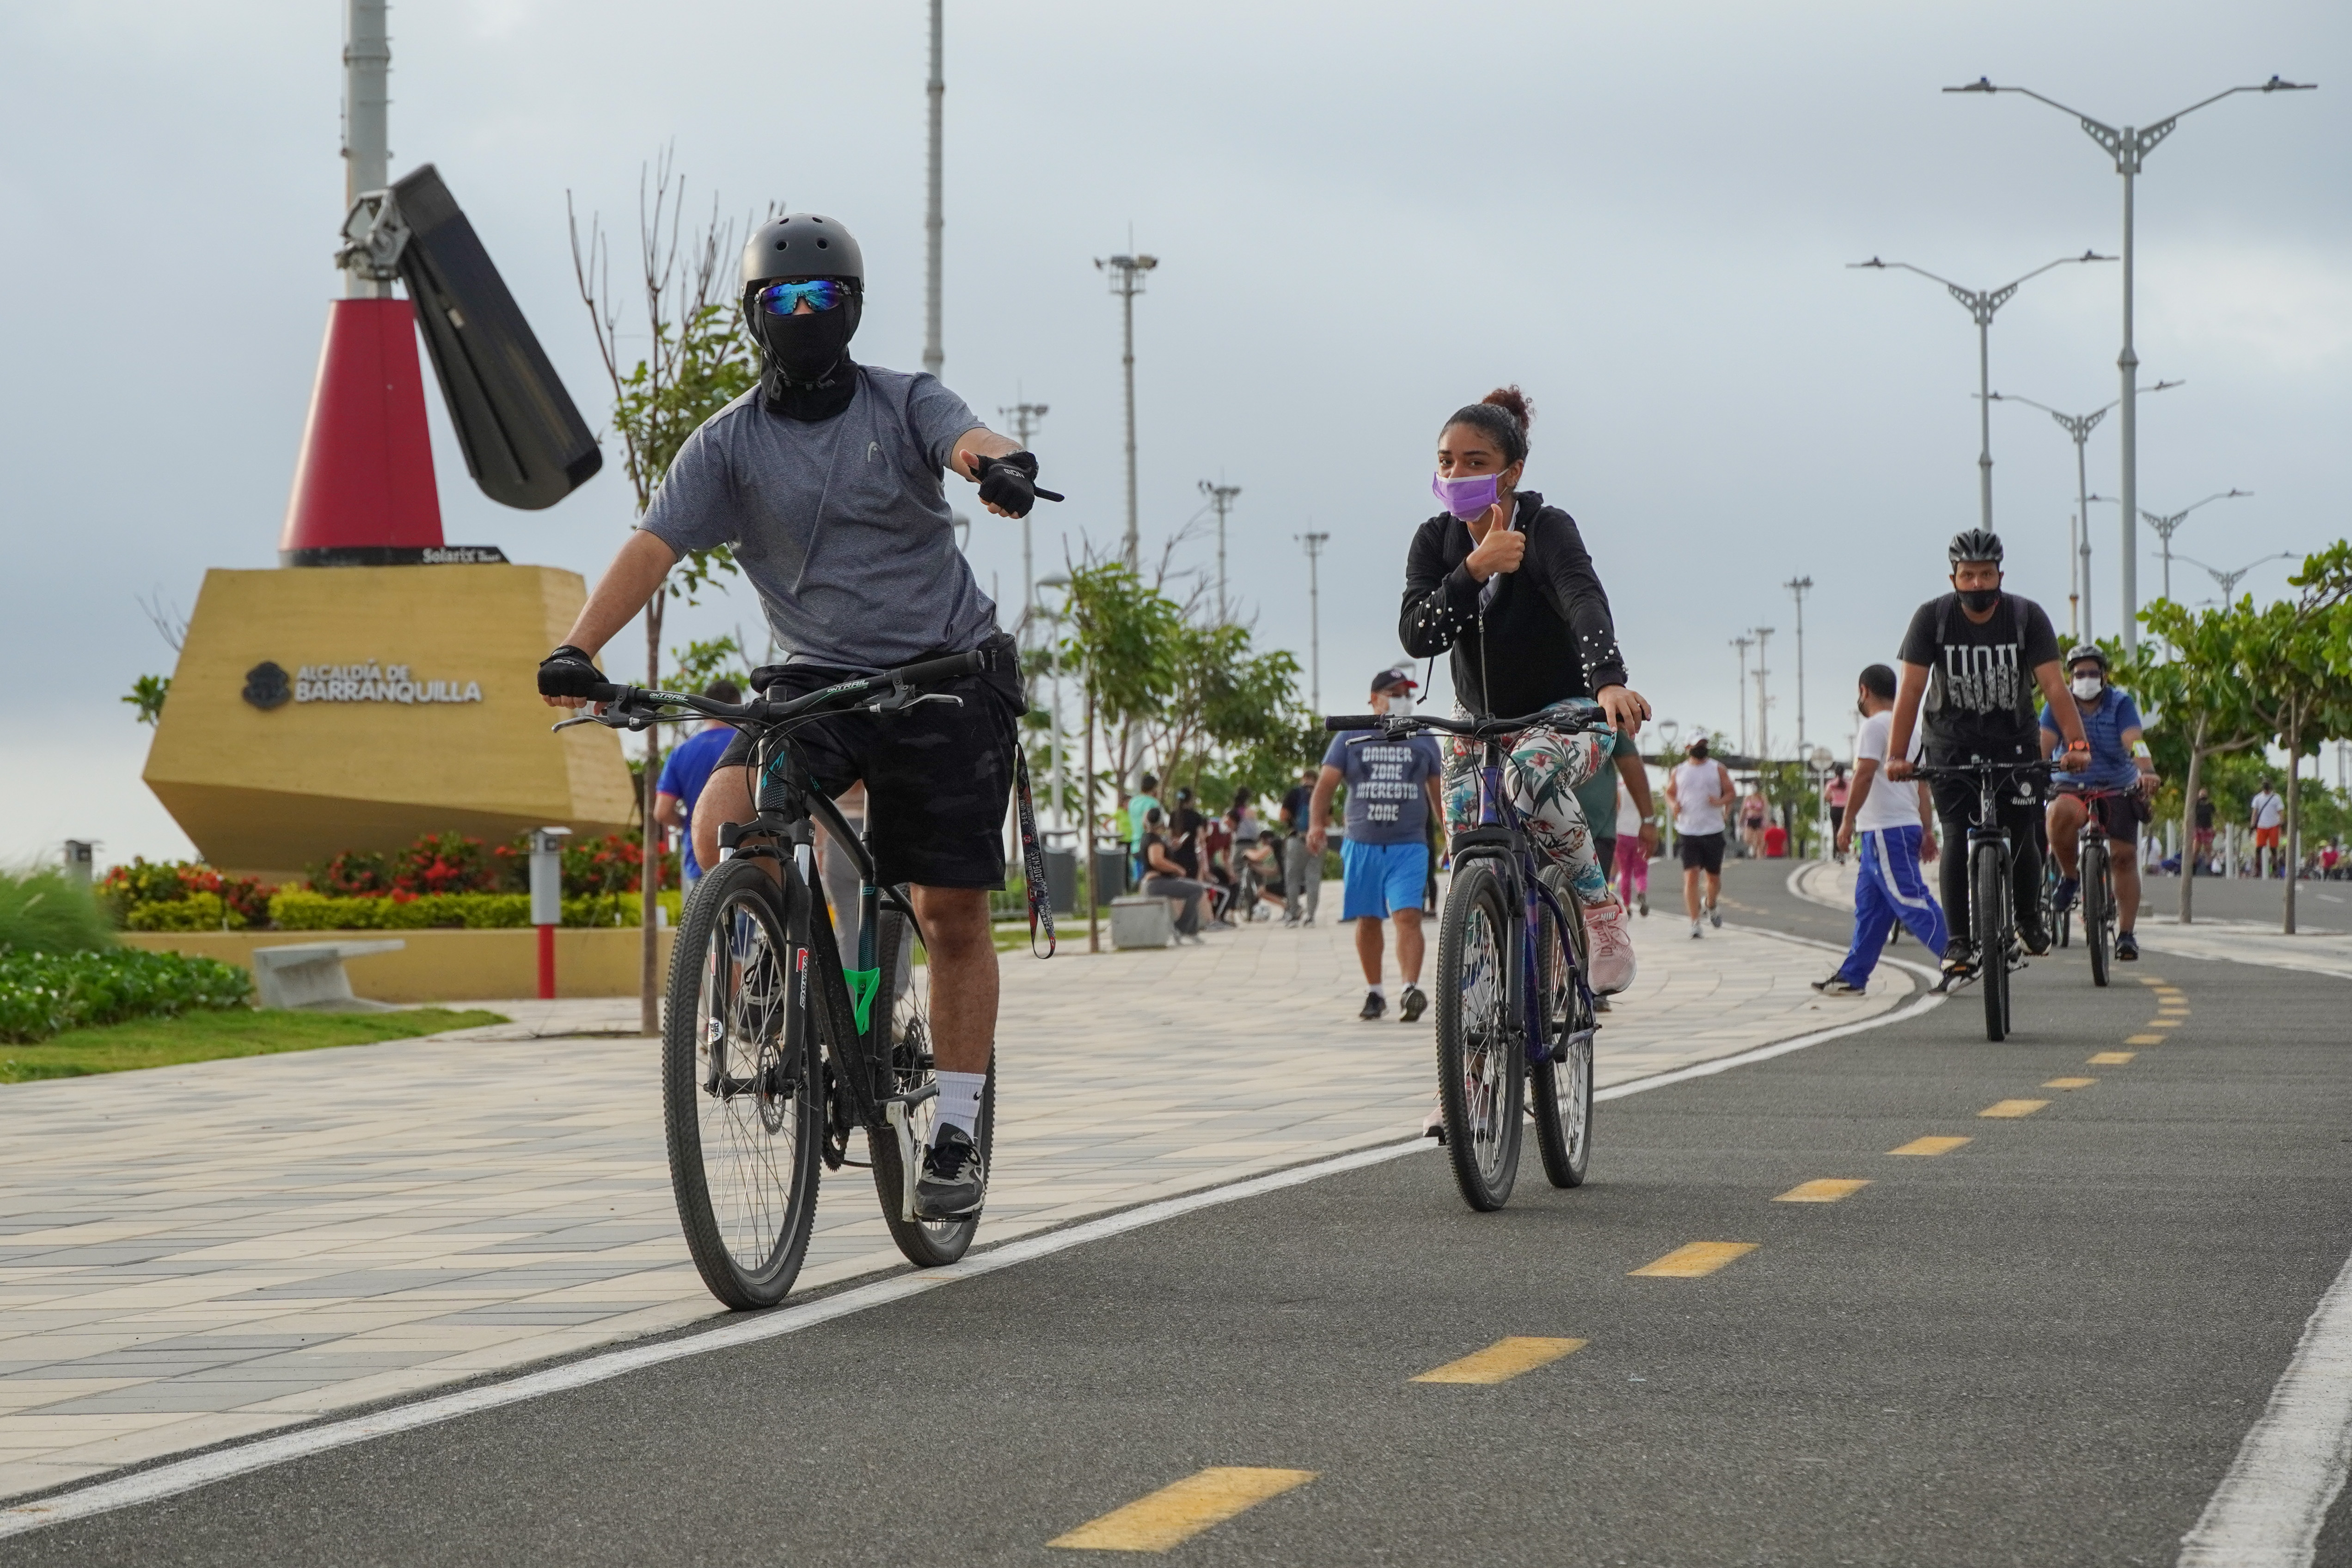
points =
(208, 1036)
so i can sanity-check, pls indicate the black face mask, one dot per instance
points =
(808, 373)
(1979, 600)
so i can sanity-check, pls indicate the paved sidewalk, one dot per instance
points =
(190, 1255)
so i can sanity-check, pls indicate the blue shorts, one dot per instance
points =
(1382, 879)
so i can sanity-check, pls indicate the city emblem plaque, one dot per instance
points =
(266, 686)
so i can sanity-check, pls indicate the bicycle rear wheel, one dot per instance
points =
(1481, 1063)
(2099, 909)
(904, 998)
(1988, 907)
(1559, 1090)
(739, 1096)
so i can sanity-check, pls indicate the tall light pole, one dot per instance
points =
(1054, 664)
(2168, 524)
(1126, 275)
(2078, 548)
(2228, 580)
(1315, 543)
(1763, 697)
(2130, 147)
(1024, 418)
(1981, 305)
(1743, 645)
(367, 153)
(1798, 586)
(1220, 496)
(933, 219)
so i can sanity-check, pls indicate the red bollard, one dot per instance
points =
(547, 963)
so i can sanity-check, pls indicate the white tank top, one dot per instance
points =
(1696, 786)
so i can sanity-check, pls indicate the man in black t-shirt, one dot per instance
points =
(1983, 661)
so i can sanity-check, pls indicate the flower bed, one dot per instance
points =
(44, 993)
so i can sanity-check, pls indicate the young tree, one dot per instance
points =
(2297, 656)
(2201, 706)
(696, 360)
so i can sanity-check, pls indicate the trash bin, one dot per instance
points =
(1110, 874)
(1062, 879)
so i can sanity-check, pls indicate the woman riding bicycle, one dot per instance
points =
(1503, 581)
(2117, 786)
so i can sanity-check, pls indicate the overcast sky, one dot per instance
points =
(1365, 216)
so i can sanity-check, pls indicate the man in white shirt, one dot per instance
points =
(1895, 821)
(2266, 813)
(1700, 793)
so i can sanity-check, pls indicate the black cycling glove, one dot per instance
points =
(567, 672)
(1009, 483)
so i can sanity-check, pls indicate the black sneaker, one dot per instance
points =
(1837, 985)
(1959, 959)
(1375, 1004)
(1412, 1005)
(954, 1180)
(2127, 947)
(2033, 937)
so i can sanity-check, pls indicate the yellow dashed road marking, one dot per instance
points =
(2143, 1040)
(1694, 1259)
(1826, 1190)
(1174, 1514)
(1929, 1146)
(2008, 1107)
(1502, 1361)
(2111, 1058)
(2069, 1083)
(2153, 979)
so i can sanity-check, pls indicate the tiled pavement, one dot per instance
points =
(190, 1255)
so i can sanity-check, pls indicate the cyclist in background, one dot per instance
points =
(1971, 660)
(826, 480)
(2119, 760)
(1503, 581)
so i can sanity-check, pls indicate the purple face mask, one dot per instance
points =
(1465, 498)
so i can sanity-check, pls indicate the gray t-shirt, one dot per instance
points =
(842, 525)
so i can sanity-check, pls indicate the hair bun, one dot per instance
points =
(1513, 402)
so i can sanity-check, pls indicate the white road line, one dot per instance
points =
(2269, 1508)
(186, 1475)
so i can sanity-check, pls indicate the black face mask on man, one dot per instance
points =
(808, 372)
(1979, 600)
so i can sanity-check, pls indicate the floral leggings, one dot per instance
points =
(1541, 768)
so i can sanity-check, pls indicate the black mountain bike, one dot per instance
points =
(2095, 870)
(1993, 918)
(774, 1051)
(1514, 1017)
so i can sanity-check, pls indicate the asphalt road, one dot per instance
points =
(2043, 1346)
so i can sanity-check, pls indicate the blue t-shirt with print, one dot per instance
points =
(2111, 761)
(688, 769)
(1387, 801)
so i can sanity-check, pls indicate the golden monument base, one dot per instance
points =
(316, 709)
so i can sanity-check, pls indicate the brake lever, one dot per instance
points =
(898, 702)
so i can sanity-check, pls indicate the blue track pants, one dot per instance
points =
(1890, 889)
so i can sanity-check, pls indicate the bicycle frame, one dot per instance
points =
(1499, 835)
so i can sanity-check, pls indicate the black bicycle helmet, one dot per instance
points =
(2090, 651)
(802, 245)
(1976, 544)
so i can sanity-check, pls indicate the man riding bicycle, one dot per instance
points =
(2117, 785)
(824, 480)
(1975, 657)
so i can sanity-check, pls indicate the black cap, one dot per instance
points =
(1395, 676)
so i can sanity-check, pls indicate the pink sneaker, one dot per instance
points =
(1610, 946)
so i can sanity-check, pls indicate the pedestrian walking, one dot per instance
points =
(1700, 792)
(1302, 869)
(2266, 815)
(1393, 793)
(1895, 826)
(2204, 848)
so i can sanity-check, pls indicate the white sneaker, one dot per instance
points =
(1610, 947)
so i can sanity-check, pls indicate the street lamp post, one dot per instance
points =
(1220, 496)
(2228, 580)
(1743, 645)
(1315, 543)
(1126, 275)
(1798, 586)
(1023, 417)
(1981, 305)
(935, 91)
(2168, 524)
(1054, 666)
(2079, 427)
(2130, 147)
(1763, 695)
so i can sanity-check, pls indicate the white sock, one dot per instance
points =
(960, 1100)
(1379, 991)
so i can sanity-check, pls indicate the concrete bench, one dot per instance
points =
(1141, 921)
(311, 975)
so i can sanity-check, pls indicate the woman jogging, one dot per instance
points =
(1503, 580)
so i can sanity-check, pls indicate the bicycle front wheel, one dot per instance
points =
(2099, 909)
(904, 998)
(1988, 906)
(739, 1096)
(1559, 1090)
(1481, 1064)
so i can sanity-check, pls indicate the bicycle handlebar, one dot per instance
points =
(1979, 767)
(633, 707)
(1477, 729)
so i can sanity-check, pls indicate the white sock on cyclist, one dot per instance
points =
(1377, 990)
(960, 1099)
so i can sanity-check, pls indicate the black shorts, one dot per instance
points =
(1702, 852)
(937, 777)
(2119, 815)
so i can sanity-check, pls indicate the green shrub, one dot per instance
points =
(127, 888)
(298, 909)
(48, 912)
(43, 993)
(197, 911)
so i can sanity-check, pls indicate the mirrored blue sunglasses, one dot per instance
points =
(821, 294)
